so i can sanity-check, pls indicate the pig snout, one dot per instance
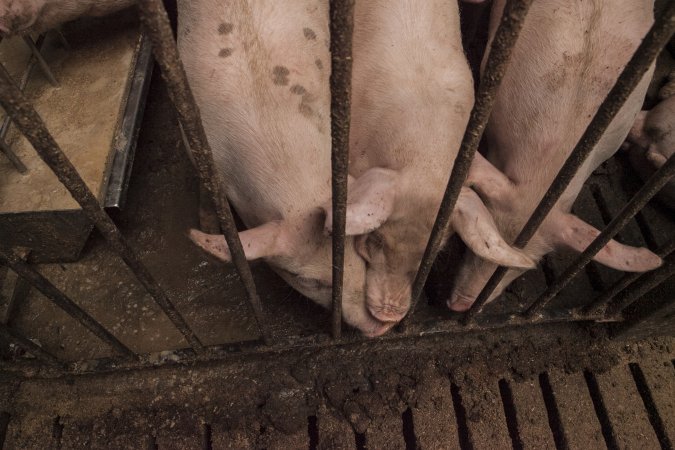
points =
(388, 297)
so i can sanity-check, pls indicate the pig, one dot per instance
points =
(260, 71)
(567, 58)
(27, 16)
(653, 139)
(412, 93)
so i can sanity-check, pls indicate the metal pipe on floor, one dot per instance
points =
(31, 347)
(639, 200)
(341, 31)
(608, 295)
(156, 25)
(657, 37)
(505, 38)
(61, 300)
(33, 128)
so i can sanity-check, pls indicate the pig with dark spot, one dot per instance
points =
(23, 16)
(274, 158)
(565, 61)
(412, 93)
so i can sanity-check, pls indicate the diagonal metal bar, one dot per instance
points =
(646, 283)
(61, 300)
(4, 147)
(31, 125)
(608, 295)
(644, 56)
(31, 347)
(639, 200)
(156, 24)
(495, 67)
(37, 54)
(341, 31)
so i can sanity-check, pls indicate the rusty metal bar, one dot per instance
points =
(646, 53)
(41, 61)
(646, 283)
(341, 30)
(156, 25)
(31, 347)
(4, 147)
(31, 125)
(608, 295)
(61, 300)
(639, 200)
(495, 67)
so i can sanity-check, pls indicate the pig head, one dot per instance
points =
(25, 16)
(565, 61)
(412, 93)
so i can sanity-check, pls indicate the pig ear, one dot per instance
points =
(475, 225)
(267, 240)
(488, 181)
(370, 202)
(567, 230)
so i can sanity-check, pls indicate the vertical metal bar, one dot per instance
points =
(495, 67)
(608, 295)
(31, 125)
(60, 299)
(341, 31)
(41, 61)
(156, 24)
(639, 200)
(646, 283)
(8, 334)
(646, 53)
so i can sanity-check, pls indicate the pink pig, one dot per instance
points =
(21, 16)
(412, 95)
(565, 61)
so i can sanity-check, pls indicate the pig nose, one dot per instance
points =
(387, 312)
(459, 302)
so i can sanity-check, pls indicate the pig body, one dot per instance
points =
(412, 93)
(566, 60)
(259, 72)
(22, 16)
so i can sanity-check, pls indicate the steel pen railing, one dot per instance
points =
(155, 23)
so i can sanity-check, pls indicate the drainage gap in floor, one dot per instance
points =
(600, 410)
(553, 413)
(460, 414)
(207, 443)
(4, 423)
(360, 439)
(312, 432)
(57, 433)
(650, 406)
(510, 414)
(409, 430)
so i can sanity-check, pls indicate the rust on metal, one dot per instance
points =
(156, 24)
(505, 39)
(642, 59)
(639, 200)
(33, 128)
(341, 30)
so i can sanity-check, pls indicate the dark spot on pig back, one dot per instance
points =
(225, 28)
(309, 34)
(280, 75)
(298, 90)
(225, 52)
(318, 63)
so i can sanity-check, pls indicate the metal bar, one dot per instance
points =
(4, 147)
(31, 347)
(41, 61)
(156, 25)
(639, 200)
(31, 125)
(606, 297)
(646, 283)
(61, 300)
(341, 31)
(646, 53)
(498, 60)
